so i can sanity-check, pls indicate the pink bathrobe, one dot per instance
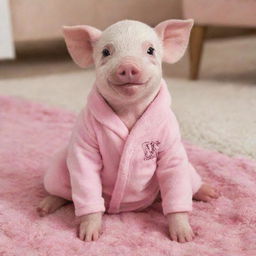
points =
(108, 168)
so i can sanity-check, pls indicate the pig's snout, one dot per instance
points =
(128, 73)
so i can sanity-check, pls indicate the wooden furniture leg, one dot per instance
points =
(195, 50)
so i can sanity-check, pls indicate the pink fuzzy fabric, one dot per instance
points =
(30, 133)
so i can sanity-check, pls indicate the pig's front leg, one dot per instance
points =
(90, 227)
(179, 227)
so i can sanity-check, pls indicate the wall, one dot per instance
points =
(43, 19)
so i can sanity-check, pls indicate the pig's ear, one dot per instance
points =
(79, 41)
(175, 37)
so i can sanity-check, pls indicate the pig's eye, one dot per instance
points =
(105, 52)
(150, 51)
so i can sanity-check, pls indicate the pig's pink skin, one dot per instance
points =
(126, 40)
(79, 40)
(174, 34)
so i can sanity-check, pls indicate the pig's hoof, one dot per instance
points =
(50, 204)
(206, 193)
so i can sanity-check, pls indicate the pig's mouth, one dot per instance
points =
(129, 84)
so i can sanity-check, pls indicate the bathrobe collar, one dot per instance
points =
(155, 113)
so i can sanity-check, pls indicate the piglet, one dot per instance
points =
(125, 151)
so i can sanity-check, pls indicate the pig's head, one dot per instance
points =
(128, 55)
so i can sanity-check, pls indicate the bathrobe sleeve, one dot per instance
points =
(173, 170)
(84, 163)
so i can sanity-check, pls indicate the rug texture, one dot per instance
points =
(30, 133)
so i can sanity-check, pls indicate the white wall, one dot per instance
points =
(6, 42)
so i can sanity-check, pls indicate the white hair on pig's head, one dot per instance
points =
(128, 55)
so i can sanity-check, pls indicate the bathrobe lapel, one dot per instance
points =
(148, 123)
(105, 115)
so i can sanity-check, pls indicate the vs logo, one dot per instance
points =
(150, 149)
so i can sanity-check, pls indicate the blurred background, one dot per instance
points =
(213, 87)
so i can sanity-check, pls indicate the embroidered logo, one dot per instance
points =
(150, 149)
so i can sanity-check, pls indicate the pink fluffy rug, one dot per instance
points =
(30, 133)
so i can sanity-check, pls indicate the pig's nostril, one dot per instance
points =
(134, 72)
(123, 73)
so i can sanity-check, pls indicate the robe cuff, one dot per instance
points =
(91, 208)
(172, 208)
(196, 185)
